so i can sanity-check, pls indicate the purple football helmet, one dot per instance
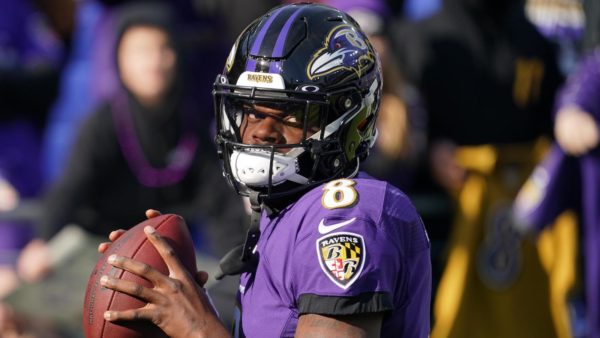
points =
(314, 63)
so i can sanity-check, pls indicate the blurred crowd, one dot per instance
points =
(489, 122)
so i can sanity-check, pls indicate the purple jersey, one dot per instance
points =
(350, 246)
(563, 182)
(583, 90)
(583, 86)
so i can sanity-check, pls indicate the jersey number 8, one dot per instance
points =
(339, 194)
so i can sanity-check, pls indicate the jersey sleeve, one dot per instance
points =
(348, 260)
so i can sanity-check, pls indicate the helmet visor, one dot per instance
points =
(303, 118)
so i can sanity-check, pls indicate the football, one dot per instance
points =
(133, 244)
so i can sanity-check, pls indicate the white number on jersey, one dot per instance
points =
(339, 194)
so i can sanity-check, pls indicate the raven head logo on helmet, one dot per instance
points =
(315, 67)
(342, 46)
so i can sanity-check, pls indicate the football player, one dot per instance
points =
(329, 251)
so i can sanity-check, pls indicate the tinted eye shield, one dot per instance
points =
(309, 111)
(233, 104)
(302, 116)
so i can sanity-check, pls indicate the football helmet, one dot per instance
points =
(315, 64)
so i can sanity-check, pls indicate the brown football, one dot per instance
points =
(133, 244)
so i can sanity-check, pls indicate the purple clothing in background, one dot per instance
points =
(547, 193)
(19, 165)
(76, 99)
(26, 46)
(583, 87)
(420, 9)
(571, 182)
(590, 174)
(25, 41)
(13, 237)
(104, 73)
(377, 248)
(19, 157)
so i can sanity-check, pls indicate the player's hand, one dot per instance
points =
(576, 131)
(176, 303)
(114, 235)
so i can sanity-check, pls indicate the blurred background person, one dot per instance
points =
(567, 181)
(90, 76)
(145, 146)
(567, 23)
(487, 78)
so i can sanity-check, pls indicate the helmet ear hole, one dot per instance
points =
(346, 103)
(328, 166)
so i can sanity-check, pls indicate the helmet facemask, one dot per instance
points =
(317, 157)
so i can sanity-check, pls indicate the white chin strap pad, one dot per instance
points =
(251, 167)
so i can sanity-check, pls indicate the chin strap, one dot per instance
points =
(242, 258)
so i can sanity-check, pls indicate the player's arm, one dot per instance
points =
(350, 326)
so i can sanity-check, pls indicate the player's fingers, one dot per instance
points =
(102, 247)
(138, 268)
(133, 289)
(114, 235)
(151, 213)
(165, 250)
(144, 313)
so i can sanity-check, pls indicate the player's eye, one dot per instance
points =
(293, 119)
(250, 113)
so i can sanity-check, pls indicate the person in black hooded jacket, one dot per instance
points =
(147, 146)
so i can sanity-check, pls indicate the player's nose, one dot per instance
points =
(268, 131)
